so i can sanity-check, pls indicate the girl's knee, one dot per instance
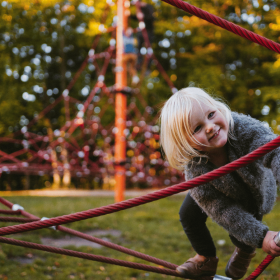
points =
(183, 214)
(190, 213)
(186, 217)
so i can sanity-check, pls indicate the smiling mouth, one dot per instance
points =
(216, 134)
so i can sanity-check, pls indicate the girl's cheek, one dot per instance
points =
(196, 145)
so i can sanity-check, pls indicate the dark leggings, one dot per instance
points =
(193, 220)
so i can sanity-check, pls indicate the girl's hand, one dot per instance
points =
(269, 245)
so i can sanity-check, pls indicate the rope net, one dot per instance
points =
(88, 256)
(31, 222)
(125, 205)
(74, 148)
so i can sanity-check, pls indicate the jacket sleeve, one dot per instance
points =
(230, 215)
(253, 134)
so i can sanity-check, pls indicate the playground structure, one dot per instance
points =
(125, 152)
(34, 222)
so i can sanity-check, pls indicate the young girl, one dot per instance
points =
(199, 134)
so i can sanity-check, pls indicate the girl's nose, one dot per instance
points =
(209, 127)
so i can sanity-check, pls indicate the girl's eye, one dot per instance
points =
(197, 129)
(211, 114)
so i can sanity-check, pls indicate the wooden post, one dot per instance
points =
(120, 106)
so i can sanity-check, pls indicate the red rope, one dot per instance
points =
(269, 44)
(149, 197)
(89, 256)
(119, 248)
(15, 219)
(10, 212)
(262, 266)
(100, 241)
(42, 113)
(253, 275)
(168, 191)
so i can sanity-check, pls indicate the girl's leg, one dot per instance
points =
(242, 246)
(193, 220)
(205, 262)
(240, 260)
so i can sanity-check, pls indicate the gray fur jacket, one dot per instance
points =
(236, 199)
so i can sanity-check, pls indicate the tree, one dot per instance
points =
(44, 43)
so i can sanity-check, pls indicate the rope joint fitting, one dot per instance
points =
(52, 227)
(17, 207)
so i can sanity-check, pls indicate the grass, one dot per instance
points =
(153, 229)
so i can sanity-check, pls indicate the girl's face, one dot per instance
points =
(209, 127)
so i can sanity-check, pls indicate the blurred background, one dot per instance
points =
(52, 63)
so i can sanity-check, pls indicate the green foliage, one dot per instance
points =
(223, 63)
(52, 39)
(42, 46)
(44, 43)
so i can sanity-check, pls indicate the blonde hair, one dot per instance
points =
(175, 124)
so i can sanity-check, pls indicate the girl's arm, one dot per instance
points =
(253, 134)
(230, 215)
(238, 222)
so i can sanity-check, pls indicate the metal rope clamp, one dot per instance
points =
(17, 207)
(52, 227)
(220, 277)
(277, 239)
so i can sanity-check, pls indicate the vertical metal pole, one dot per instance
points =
(120, 107)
